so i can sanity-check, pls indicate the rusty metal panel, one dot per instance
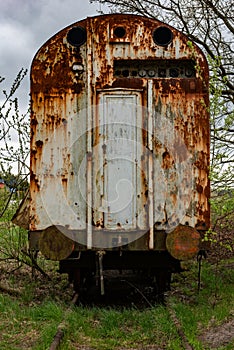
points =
(179, 108)
(181, 137)
(58, 136)
(138, 44)
(58, 150)
(75, 105)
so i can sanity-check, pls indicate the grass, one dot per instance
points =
(25, 327)
(21, 326)
(213, 306)
(30, 321)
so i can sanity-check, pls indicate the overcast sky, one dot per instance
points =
(25, 25)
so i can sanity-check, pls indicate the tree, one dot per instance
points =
(14, 131)
(14, 150)
(14, 144)
(210, 24)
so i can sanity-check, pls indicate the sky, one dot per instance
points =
(25, 26)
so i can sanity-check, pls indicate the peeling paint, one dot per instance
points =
(69, 87)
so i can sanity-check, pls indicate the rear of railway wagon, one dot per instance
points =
(119, 145)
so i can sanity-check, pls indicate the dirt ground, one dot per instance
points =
(216, 337)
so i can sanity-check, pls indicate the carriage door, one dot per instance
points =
(119, 174)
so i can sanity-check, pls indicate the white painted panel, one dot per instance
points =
(117, 174)
(119, 166)
(60, 165)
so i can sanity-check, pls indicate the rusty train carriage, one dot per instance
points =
(119, 145)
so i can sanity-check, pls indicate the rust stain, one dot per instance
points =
(65, 184)
(60, 96)
(134, 83)
(183, 242)
(199, 188)
(39, 143)
(168, 160)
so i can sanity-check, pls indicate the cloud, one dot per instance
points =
(26, 25)
(15, 46)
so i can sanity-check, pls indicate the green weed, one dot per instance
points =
(28, 323)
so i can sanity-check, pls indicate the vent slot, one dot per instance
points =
(154, 69)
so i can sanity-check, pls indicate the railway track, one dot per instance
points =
(121, 293)
(62, 326)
